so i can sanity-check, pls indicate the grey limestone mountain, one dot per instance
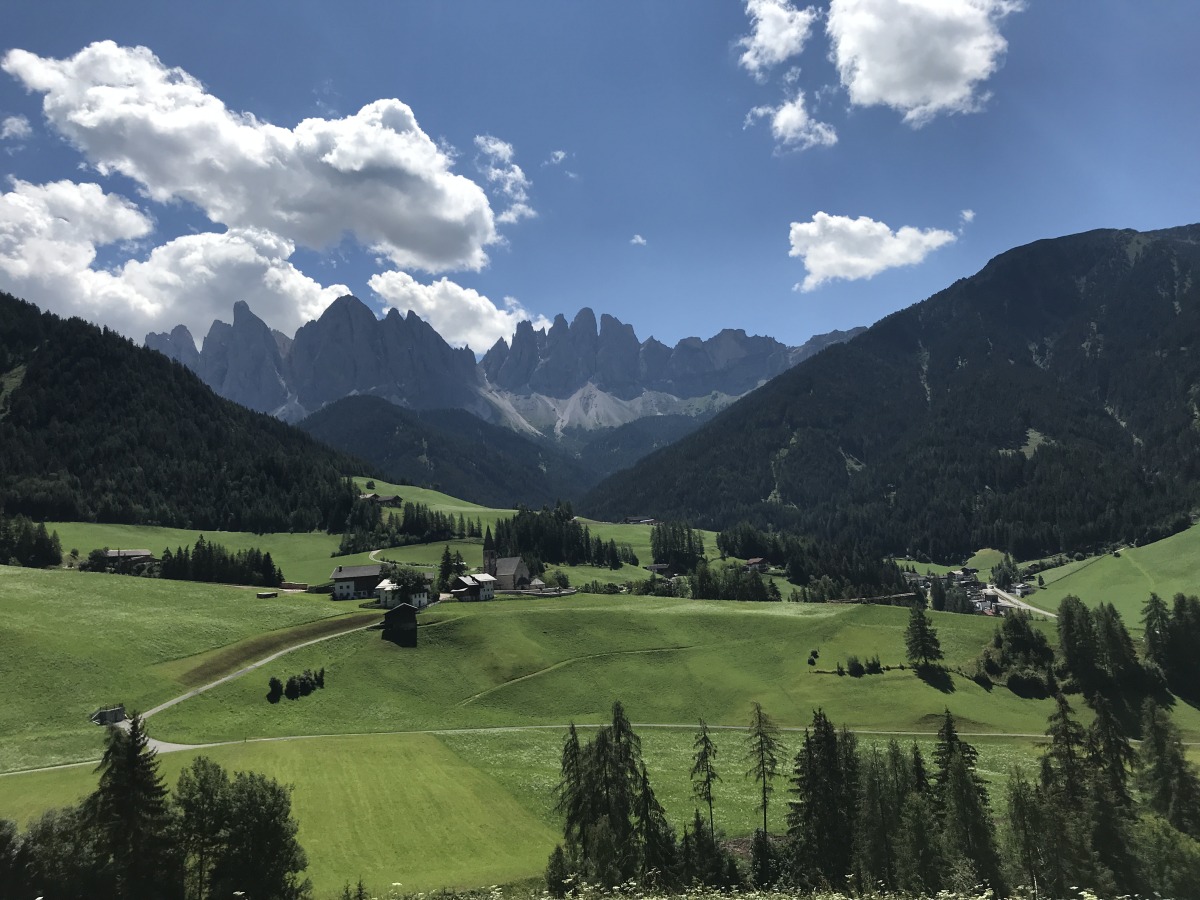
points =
(576, 374)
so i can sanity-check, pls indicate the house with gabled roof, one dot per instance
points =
(480, 586)
(510, 572)
(355, 582)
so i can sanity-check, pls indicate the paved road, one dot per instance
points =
(1021, 604)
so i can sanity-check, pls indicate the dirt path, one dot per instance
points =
(257, 664)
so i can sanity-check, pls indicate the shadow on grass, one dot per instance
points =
(936, 677)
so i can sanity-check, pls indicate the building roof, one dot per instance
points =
(126, 554)
(344, 573)
(508, 565)
(483, 578)
(386, 585)
(756, 561)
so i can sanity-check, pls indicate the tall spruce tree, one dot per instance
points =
(762, 755)
(704, 773)
(920, 639)
(821, 817)
(130, 814)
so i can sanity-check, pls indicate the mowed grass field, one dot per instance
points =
(302, 557)
(1166, 567)
(470, 803)
(72, 641)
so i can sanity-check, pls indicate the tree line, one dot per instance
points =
(370, 526)
(215, 836)
(1098, 814)
(821, 569)
(24, 543)
(554, 536)
(206, 561)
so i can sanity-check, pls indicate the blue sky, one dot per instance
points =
(683, 166)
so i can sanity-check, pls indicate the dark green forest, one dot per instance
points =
(94, 428)
(449, 450)
(1046, 404)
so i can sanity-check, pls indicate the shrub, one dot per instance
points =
(854, 667)
(874, 666)
(275, 690)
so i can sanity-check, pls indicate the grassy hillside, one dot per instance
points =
(527, 662)
(71, 642)
(303, 557)
(1165, 567)
(422, 809)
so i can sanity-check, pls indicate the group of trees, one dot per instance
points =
(1172, 641)
(297, 685)
(822, 570)
(615, 829)
(369, 526)
(730, 582)
(210, 561)
(1098, 814)
(555, 536)
(24, 543)
(207, 561)
(215, 837)
(677, 546)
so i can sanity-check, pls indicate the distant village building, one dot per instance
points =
(510, 572)
(639, 520)
(355, 582)
(474, 587)
(757, 564)
(390, 500)
(390, 595)
(128, 556)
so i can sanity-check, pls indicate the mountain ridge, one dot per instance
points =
(1047, 403)
(580, 374)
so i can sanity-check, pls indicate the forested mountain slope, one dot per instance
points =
(1048, 403)
(95, 428)
(450, 450)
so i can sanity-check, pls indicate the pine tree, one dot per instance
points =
(920, 639)
(202, 796)
(762, 754)
(1156, 638)
(130, 813)
(704, 774)
(1169, 783)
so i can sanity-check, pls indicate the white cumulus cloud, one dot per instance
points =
(779, 31)
(638, 241)
(497, 166)
(967, 216)
(921, 57)
(841, 247)
(374, 175)
(792, 126)
(463, 316)
(49, 235)
(15, 128)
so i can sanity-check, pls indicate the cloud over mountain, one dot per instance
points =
(852, 249)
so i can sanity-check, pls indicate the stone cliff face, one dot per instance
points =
(557, 363)
(241, 362)
(571, 374)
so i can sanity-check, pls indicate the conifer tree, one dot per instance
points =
(704, 774)
(762, 755)
(920, 639)
(130, 814)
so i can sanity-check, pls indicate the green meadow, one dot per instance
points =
(303, 557)
(412, 762)
(73, 641)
